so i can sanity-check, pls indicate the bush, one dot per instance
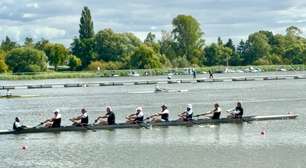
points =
(26, 60)
(100, 65)
(74, 62)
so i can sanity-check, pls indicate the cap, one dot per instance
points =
(83, 110)
(164, 105)
(109, 108)
(139, 109)
(189, 106)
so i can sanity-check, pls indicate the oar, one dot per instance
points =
(38, 125)
(88, 127)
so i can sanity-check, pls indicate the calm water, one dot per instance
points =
(226, 145)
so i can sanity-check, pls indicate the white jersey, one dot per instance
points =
(140, 114)
(189, 112)
(218, 110)
(58, 116)
(85, 115)
(166, 111)
(17, 124)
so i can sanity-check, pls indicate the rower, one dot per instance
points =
(186, 115)
(163, 115)
(17, 126)
(81, 120)
(216, 112)
(236, 112)
(136, 117)
(55, 121)
(107, 119)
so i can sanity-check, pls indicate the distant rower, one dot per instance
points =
(55, 121)
(17, 126)
(237, 112)
(136, 117)
(81, 120)
(163, 115)
(216, 112)
(186, 115)
(107, 119)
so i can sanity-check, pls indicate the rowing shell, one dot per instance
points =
(160, 124)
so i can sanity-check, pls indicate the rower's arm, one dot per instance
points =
(203, 114)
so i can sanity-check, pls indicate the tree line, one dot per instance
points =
(183, 46)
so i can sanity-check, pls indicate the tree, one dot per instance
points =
(167, 45)
(151, 41)
(3, 66)
(188, 37)
(86, 25)
(83, 47)
(26, 60)
(145, 58)
(258, 47)
(28, 42)
(293, 31)
(74, 62)
(57, 54)
(41, 44)
(7, 44)
(111, 46)
(217, 55)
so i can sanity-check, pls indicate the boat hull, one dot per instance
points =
(147, 125)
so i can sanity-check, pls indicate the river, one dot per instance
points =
(227, 145)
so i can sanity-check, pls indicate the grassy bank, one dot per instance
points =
(141, 72)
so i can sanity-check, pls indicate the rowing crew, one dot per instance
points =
(108, 118)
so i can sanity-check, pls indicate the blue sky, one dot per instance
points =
(58, 20)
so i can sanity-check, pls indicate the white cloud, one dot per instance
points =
(32, 5)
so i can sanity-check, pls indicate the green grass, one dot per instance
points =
(109, 73)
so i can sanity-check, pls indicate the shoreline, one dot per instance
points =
(149, 72)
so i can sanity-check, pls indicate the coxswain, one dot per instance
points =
(137, 117)
(236, 112)
(216, 112)
(17, 126)
(81, 120)
(107, 119)
(186, 115)
(163, 115)
(55, 121)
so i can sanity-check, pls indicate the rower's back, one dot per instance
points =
(57, 121)
(216, 112)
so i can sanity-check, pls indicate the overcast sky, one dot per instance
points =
(58, 20)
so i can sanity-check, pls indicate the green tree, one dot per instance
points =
(3, 66)
(86, 25)
(74, 62)
(8, 44)
(57, 54)
(111, 46)
(150, 40)
(167, 45)
(258, 47)
(28, 42)
(41, 44)
(188, 37)
(84, 46)
(145, 58)
(26, 60)
(216, 54)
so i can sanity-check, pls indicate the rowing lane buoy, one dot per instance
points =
(24, 147)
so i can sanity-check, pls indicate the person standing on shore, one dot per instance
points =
(194, 74)
(211, 75)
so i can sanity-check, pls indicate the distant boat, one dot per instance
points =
(134, 74)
